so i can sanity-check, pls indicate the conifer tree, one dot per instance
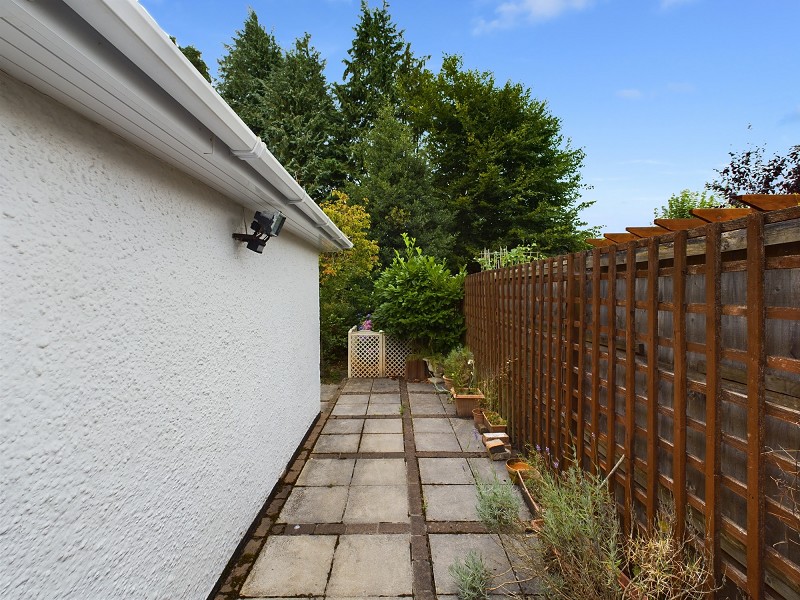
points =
(244, 70)
(397, 188)
(195, 57)
(378, 57)
(299, 122)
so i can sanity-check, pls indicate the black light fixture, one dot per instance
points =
(264, 227)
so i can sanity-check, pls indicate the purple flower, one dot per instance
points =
(555, 464)
(538, 448)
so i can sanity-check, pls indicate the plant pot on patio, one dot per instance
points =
(415, 369)
(466, 401)
(477, 417)
(494, 421)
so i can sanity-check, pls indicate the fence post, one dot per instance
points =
(756, 360)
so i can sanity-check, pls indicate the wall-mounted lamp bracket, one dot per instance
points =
(264, 227)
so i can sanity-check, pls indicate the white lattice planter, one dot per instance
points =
(375, 354)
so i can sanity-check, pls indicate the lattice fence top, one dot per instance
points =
(365, 349)
(374, 354)
(396, 352)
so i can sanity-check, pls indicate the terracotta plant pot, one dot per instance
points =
(448, 383)
(466, 402)
(477, 417)
(526, 494)
(415, 369)
(490, 427)
(515, 465)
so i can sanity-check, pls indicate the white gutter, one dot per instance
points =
(135, 34)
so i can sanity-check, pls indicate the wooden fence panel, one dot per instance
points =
(680, 353)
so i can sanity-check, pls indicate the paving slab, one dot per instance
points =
(487, 470)
(432, 425)
(385, 385)
(327, 391)
(326, 471)
(447, 548)
(377, 504)
(436, 442)
(383, 409)
(527, 573)
(427, 407)
(379, 471)
(381, 442)
(371, 565)
(423, 397)
(384, 398)
(314, 505)
(420, 387)
(353, 399)
(345, 442)
(384, 425)
(445, 470)
(334, 426)
(293, 565)
(468, 437)
(349, 410)
(357, 385)
(450, 409)
(450, 502)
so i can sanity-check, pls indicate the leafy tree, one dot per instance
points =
(679, 206)
(749, 173)
(244, 70)
(377, 57)
(344, 277)
(398, 185)
(418, 299)
(299, 121)
(195, 57)
(507, 172)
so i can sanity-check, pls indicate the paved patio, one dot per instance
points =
(378, 503)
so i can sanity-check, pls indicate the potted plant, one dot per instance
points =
(459, 366)
(495, 422)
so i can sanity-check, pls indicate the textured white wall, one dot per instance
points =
(155, 375)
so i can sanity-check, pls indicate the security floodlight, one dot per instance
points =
(264, 227)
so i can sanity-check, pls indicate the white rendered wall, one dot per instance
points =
(155, 375)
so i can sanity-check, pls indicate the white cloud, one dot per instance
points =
(511, 13)
(630, 94)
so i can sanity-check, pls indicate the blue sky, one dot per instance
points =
(656, 92)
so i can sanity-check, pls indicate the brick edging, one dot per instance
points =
(241, 562)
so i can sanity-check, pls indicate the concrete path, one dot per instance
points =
(379, 502)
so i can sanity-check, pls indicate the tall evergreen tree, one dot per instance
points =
(508, 174)
(244, 70)
(397, 188)
(299, 121)
(378, 56)
(195, 57)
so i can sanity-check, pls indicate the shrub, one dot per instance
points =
(471, 576)
(663, 566)
(459, 366)
(344, 277)
(498, 505)
(576, 552)
(419, 300)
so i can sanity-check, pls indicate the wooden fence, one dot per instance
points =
(679, 352)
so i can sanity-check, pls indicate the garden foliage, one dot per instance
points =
(344, 277)
(418, 299)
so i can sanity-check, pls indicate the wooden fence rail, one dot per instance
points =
(680, 353)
